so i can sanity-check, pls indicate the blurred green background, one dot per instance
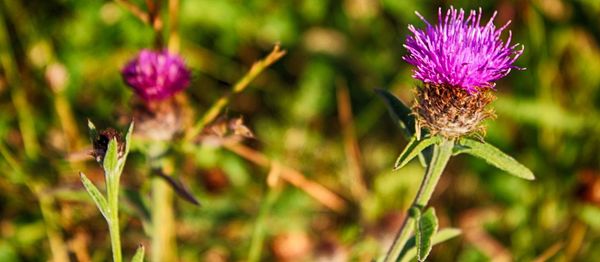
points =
(60, 64)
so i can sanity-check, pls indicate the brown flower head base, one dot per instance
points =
(161, 120)
(451, 111)
(101, 140)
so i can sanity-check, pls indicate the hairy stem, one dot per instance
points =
(441, 155)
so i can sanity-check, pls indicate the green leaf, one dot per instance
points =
(139, 254)
(179, 188)
(495, 157)
(459, 149)
(410, 251)
(128, 139)
(414, 148)
(96, 195)
(402, 114)
(427, 225)
(399, 112)
(93, 131)
(111, 158)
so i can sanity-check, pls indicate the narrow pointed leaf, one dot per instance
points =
(111, 158)
(92, 130)
(459, 149)
(495, 157)
(96, 195)
(427, 226)
(410, 251)
(402, 115)
(139, 255)
(179, 188)
(424, 156)
(399, 112)
(414, 148)
(128, 139)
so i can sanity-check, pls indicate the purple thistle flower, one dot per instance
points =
(461, 52)
(156, 75)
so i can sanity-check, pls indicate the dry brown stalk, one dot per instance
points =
(292, 176)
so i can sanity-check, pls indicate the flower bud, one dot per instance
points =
(100, 144)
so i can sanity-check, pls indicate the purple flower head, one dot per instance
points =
(156, 75)
(460, 52)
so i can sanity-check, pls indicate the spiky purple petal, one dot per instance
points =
(156, 75)
(460, 52)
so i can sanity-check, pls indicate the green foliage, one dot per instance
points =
(111, 159)
(410, 251)
(401, 113)
(494, 156)
(414, 148)
(403, 116)
(112, 164)
(139, 255)
(548, 118)
(98, 198)
(93, 132)
(427, 225)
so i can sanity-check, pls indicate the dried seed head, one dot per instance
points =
(451, 111)
(100, 144)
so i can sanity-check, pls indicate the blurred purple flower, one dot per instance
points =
(156, 75)
(461, 52)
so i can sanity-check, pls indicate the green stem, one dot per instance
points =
(112, 190)
(258, 236)
(164, 243)
(163, 222)
(441, 154)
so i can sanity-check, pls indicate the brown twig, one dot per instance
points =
(212, 113)
(550, 252)
(135, 10)
(351, 148)
(314, 189)
(575, 240)
(173, 41)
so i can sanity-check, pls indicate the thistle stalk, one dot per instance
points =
(164, 242)
(164, 246)
(435, 168)
(110, 151)
(458, 60)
